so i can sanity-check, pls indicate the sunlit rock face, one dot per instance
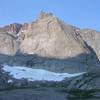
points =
(46, 37)
(8, 39)
(49, 37)
(92, 38)
(52, 46)
(8, 44)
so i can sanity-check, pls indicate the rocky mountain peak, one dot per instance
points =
(11, 28)
(49, 37)
(14, 27)
(50, 44)
(8, 39)
(44, 15)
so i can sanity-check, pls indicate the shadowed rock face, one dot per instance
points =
(11, 29)
(79, 63)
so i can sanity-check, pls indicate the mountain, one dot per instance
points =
(92, 38)
(51, 49)
(51, 38)
(8, 36)
(47, 37)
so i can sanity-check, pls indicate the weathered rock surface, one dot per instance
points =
(46, 37)
(92, 38)
(49, 37)
(8, 44)
(8, 39)
(87, 81)
(11, 29)
(50, 44)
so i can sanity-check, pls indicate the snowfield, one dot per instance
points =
(20, 72)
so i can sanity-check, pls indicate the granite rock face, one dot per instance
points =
(50, 44)
(92, 38)
(49, 37)
(46, 37)
(8, 44)
(11, 29)
(8, 39)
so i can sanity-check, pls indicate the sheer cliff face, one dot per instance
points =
(47, 37)
(50, 37)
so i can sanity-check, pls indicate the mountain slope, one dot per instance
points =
(51, 49)
(47, 43)
(92, 38)
(49, 37)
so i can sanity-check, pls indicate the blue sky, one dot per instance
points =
(81, 13)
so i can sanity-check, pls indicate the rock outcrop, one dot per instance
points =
(92, 38)
(50, 44)
(11, 29)
(46, 37)
(8, 39)
(54, 42)
(8, 44)
(49, 37)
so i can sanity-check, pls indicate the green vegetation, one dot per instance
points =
(78, 94)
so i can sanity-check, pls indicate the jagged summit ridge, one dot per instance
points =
(12, 28)
(52, 49)
(44, 15)
(47, 37)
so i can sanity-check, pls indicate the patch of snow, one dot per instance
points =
(20, 72)
(10, 81)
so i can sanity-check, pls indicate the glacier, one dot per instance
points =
(21, 72)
